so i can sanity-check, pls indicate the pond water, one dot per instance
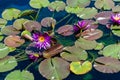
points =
(92, 75)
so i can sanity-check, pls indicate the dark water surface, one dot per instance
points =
(22, 5)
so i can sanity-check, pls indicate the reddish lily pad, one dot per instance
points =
(107, 65)
(3, 22)
(54, 68)
(13, 41)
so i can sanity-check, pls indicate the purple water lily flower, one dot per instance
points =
(116, 18)
(33, 56)
(42, 41)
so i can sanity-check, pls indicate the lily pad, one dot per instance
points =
(9, 30)
(54, 68)
(80, 68)
(85, 44)
(27, 12)
(107, 65)
(32, 25)
(19, 75)
(105, 4)
(74, 54)
(3, 22)
(39, 3)
(4, 50)
(7, 63)
(10, 14)
(13, 41)
(116, 9)
(92, 34)
(115, 30)
(57, 6)
(1, 36)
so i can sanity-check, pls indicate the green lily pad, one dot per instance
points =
(105, 4)
(39, 3)
(4, 50)
(107, 65)
(3, 22)
(19, 75)
(74, 54)
(10, 14)
(1, 36)
(54, 68)
(115, 30)
(7, 63)
(116, 9)
(99, 46)
(80, 68)
(27, 12)
(85, 44)
(25, 32)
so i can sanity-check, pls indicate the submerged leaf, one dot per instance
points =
(21, 75)
(107, 65)
(54, 68)
(80, 68)
(7, 63)
(3, 22)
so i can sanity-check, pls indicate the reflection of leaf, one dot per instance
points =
(8, 63)
(4, 50)
(75, 54)
(107, 65)
(11, 13)
(9, 30)
(13, 41)
(3, 22)
(80, 68)
(65, 30)
(54, 68)
(105, 4)
(92, 34)
(86, 44)
(21, 75)
(57, 5)
(39, 3)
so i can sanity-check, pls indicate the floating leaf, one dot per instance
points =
(18, 24)
(21, 75)
(13, 41)
(1, 36)
(65, 30)
(92, 34)
(116, 9)
(103, 17)
(7, 63)
(27, 12)
(57, 5)
(39, 3)
(3, 22)
(48, 22)
(80, 68)
(54, 68)
(115, 30)
(74, 54)
(105, 4)
(107, 65)
(32, 25)
(99, 46)
(87, 13)
(10, 14)
(9, 30)
(4, 50)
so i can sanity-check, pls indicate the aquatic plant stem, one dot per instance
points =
(29, 65)
(93, 57)
(36, 17)
(22, 59)
(63, 19)
(32, 17)
(69, 20)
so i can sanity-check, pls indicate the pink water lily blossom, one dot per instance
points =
(116, 18)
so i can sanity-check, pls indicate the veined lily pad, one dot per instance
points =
(10, 14)
(54, 68)
(80, 68)
(3, 22)
(9, 30)
(39, 3)
(74, 54)
(105, 4)
(56, 5)
(7, 63)
(27, 12)
(4, 50)
(86, 44)
(107, 65)
(20, 75)
(14, 41)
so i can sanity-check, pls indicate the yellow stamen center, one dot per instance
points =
(36, 55)
(41, 39)
(117, 18)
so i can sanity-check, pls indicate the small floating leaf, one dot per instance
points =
(107, 65)
(1, 36)
(99, 46)
(27, 12)
(10, 14)
(80, 68)
(54, 68)
(3, 22)
(4, 50)
(21, 75)
(7, 63)
(116, 9)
